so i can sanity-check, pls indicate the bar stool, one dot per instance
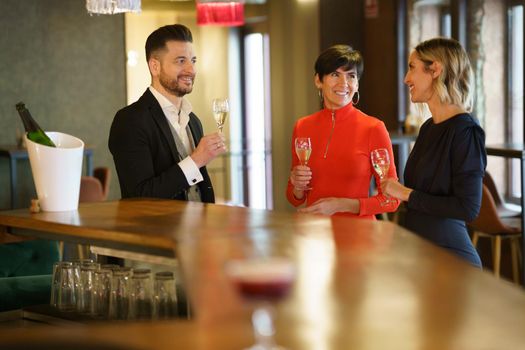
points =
(489, 224)
(503, 209)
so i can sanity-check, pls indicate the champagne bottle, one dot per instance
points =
(34, 131)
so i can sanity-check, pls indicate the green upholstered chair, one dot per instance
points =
(25, 273)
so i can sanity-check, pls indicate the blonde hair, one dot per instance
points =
(456, 82)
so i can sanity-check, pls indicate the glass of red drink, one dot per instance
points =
(265, 281)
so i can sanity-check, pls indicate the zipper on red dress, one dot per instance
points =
(331, 133)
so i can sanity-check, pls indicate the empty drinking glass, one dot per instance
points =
(119, 299)
(76, 274)
(55, 283)
(111, 267)
(140, 295)
(165, 296)
(67, 288)
(81, 262)
(85, 290)
(101, 292)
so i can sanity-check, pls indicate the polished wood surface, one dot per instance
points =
(360, 284)
(119, 224)
(363, 285)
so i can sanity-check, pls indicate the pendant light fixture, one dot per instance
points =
(228, 13)
(111, 7)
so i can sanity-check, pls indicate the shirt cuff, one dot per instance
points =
(191, 171)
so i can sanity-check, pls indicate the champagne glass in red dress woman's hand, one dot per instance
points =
(303, 149)
(264, 281)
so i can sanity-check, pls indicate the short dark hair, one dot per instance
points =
(338, 56)
(157, 40)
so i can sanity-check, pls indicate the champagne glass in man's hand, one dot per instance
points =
(221, 108)
(381, 164)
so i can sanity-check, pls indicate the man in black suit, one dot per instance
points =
(157, 143)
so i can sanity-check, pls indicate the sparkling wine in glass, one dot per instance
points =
(381, 163)
(263, 281)
(303, 149)
(221, 108)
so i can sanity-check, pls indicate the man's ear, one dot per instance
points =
(436, 69)
(154, 66)
(317, 81)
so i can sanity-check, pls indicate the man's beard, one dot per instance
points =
(172, 86)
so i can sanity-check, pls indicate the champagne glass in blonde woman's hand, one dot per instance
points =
(221, 108)
(381, 163)
(303, 149)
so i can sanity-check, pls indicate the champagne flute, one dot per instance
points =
(303, 149)
(221, 108)
(381, 163)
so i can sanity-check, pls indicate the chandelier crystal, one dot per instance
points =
(110, 7)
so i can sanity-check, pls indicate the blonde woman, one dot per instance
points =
(444, 173)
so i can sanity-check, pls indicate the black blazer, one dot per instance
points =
(146, 156)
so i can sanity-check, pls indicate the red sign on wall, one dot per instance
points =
(371, 8)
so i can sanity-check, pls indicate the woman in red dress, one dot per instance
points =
(336, 179)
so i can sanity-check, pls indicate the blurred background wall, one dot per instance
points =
(69, 69)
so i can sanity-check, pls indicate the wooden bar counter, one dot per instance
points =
(359, 284)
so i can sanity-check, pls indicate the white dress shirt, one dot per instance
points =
(179, 119)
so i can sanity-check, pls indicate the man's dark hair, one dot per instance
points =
(158, 39)
(338, 56)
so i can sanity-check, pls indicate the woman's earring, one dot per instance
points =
(354, 100)
(321, 97)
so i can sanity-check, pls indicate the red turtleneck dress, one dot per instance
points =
(340, 161)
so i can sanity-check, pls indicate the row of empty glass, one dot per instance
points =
(113, 292)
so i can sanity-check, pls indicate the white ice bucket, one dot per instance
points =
(57, 171)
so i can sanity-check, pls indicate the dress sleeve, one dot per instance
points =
(468, 162)
(379, 138)
(295, 161)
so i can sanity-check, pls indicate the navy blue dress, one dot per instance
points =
(446, 169)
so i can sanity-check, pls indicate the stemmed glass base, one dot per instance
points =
(307, 188)
(262, 320)
(262, 281)
(384, 200)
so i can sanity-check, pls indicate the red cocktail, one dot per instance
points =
(264, 280)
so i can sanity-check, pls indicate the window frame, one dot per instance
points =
(508, 97)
